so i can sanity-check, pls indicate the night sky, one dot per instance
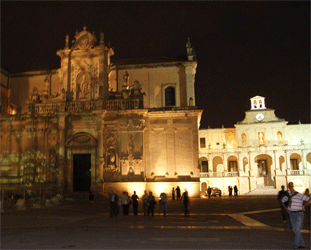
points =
(243, 49)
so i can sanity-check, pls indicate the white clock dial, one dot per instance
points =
(260, 117)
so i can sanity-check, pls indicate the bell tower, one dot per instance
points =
(258, 102)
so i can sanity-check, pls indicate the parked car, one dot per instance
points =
(215, 191)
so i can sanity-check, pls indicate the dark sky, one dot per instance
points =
(243, 49)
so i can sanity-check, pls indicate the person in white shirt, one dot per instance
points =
(295, 210)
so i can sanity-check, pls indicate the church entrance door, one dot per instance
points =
(81, 172)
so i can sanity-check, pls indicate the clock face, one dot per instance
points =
(260, 117)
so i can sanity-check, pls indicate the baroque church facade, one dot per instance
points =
(100, 123)
(128, 125)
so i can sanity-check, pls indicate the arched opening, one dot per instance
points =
(233, 169)
(204, 186)
(264, 163)
(280, 137)
(218, 165)
(295, 163)
(244, 139)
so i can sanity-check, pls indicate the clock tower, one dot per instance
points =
(255, 129)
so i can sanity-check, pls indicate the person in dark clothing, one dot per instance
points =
(178, 192)
(135, 203)
(151, 203)
(113, 204)
(281, 194)
(173, 194)
(230, 190)
(235, 190)
(209, 191)
(185, 197)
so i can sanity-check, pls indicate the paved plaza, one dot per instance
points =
(243, 222)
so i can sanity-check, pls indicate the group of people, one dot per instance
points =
(235, 188)
(148, 201)
(177, 190)
(294, 204)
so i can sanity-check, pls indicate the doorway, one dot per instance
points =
(81, 172)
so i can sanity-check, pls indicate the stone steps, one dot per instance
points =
(267, 190)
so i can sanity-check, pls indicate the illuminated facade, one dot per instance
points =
(262, 151)
(101, 123)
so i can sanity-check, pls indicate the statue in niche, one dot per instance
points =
(111, 160)
(34, 97)
(255, 104)
(126, 79)
(59, 97)
(46, 91)
(244, 139)
(85, 85)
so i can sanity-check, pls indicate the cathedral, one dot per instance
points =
(123, 125)
(101, 124)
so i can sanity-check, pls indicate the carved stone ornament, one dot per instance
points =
(84, 40)
(82, 138)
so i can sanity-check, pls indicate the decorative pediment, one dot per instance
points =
(84, 40)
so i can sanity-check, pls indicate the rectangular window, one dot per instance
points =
(202, 143)
(294, 164)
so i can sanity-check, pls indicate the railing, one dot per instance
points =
(297, 172)
(122, 104)
(222, 174)
(46, 108)
(85, 106)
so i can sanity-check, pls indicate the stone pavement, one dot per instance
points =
(219, 223)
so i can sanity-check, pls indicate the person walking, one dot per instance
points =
(151, 203)
(295, 211)
(113, 204)
(209, 191)
(307, 208)
(185, 197)
(280, 196)
(145, 202)
(135, 203)
(178, 192)
(163, 199)
(173, 194)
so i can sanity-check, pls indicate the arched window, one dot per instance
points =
(170, 96)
